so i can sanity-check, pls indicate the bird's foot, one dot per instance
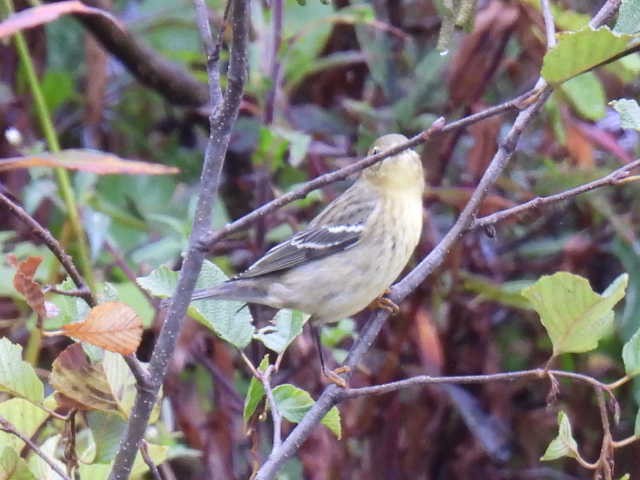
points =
(385, 304)
(334, 375)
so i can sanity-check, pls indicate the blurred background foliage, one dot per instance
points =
(347, 73)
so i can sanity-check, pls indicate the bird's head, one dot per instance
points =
(400, 171)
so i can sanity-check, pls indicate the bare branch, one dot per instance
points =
(221, 120)
(153, 468)
(614, 178)
(549, 25)
(212, 51)
(167, 78)
(53, 245)
(265, 378)
(7, 426)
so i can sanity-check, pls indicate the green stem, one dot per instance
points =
(62, 176)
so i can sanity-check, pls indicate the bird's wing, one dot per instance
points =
(330, 232)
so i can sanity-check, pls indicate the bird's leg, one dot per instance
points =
(332, 375)
(385, 303)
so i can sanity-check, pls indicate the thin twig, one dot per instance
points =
(211, 50)
(421, 380)
(8, 427)
(616, 177)
(549, 24)
(153, 468)
(605, 461)
(277, 13)
(67, 293)
(221, 121)
(265, 378)
(53, 245)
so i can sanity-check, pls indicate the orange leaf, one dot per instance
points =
(24, 283)
(94, 161)
(113, 326)
(428, 342)
(32, 17)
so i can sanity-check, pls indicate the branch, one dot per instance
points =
(221, 121)
(265, 378)
(421, 380)
(617, 177)
(277, 13)
(53, 245)
(212, 51)
(8, 427)
(169, 79)
(153, 468)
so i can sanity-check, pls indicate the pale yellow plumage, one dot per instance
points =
(350, 253)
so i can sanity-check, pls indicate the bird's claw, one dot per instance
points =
(334, 376)
(385, 304)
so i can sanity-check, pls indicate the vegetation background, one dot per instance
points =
(344, 73)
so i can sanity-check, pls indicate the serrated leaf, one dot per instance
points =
(255, 392)
(586, 95)
(161, 282)
(113, 326)
(25, 417)
(230, 320)
(578, 52)
(284, 328)
(628, 17)
(631, 355)
(564, 445)
(293, 403)
(18, 377)
(575, 317)
(12, 467)
(629, 112)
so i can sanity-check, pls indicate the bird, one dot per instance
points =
(348, 256)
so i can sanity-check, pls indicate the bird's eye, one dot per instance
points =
(375, 151)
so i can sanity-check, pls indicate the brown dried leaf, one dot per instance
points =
(79, 383)
(428, 342)
(24, 283)
(481, 52)
(93, 161)
(32, 17)
(113, 326)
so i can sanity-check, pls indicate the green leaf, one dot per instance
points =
(586, 95)
(285, 327)
(40, 468)
(13, 467)
(24, 416)
(18, 377)
(107, 430)
(230, 320)
(626, 476)
(636, 425)
(161, 282)
(255, 393)
(507, 293)
(578, 52)
(71, 309)
(629, 112)
(631, 355)
(564, 445)
(628, 17)
(575, 317)
(293, 403)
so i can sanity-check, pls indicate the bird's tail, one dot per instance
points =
(242, 290)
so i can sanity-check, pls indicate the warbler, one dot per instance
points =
(347, 256)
